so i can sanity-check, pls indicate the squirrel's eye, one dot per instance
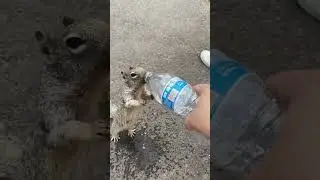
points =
(74, 42)
(133, 75)
(45, 50)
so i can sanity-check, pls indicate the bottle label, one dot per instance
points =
(171, 91)
(224, 74)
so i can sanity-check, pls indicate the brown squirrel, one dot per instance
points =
(135, 95)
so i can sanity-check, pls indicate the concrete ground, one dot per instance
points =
(162, 36)
(267, 36)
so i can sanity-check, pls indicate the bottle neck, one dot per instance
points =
(147, 76)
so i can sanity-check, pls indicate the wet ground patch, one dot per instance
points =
(144, 152)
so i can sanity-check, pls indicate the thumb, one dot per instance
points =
(201, 89)
(286, 85)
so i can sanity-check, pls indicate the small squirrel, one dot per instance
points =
(135, 95)
(77, 59)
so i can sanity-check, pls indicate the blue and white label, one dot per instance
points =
(224, 74)
(172, 91)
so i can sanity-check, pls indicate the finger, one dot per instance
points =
(286, 85)
(187, 126)
(188, 122)
(201, 89)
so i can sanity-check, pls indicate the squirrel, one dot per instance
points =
(135, 95)
(75, 68)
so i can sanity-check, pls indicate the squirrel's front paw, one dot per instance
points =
(115, 138)
(132, 103)
(143, 102)
(131, 132)
(56, 139)
(101, 128)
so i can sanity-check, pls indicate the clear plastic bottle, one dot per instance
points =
(244, 117)
(172, 92)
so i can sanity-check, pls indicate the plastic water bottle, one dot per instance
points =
(244, 117)
(172, 92)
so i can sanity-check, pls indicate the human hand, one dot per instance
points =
(295, 153)
(199, 119)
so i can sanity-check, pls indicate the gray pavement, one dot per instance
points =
(267, 36)
(162, 36)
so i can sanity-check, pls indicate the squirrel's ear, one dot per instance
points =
(66, 21)
(39, 36)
